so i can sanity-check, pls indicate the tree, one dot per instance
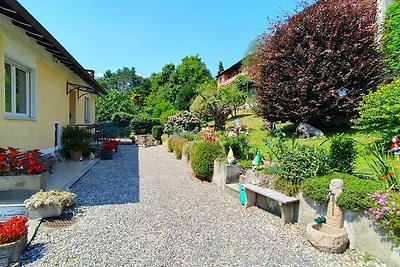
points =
(244, 83)
(184, 97)
(200, 108)
(221, 102)
(190, 73)
(220, 67)
(303, 61)
(115, 101)
(379, 112)
(391, 38)
(122, 80)
(160, 108)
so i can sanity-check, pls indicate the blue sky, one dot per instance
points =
(148, 34)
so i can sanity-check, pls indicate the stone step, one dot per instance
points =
(232, 190)
(9, 210)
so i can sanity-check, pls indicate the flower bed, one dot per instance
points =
(13, 238)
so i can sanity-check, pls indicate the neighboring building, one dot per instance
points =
(42, 87)
(229, 75)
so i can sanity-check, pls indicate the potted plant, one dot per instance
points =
(107, 149)
(115, 144)
(13, 238)
(75, 141)
(21, 170)
(45, 204)
(157, 132)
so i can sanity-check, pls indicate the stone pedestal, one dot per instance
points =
(334, 215)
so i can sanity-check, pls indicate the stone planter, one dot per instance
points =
(225, 174)
(23, 182)
(157, 142)
(107, 155)
(13, 250)
(75, 155)
(46, 211)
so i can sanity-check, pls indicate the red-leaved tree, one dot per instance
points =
(302, 61)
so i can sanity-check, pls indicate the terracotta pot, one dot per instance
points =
(14, 249)
(104, 154)
(75, 155)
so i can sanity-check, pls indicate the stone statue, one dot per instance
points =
(308, 131)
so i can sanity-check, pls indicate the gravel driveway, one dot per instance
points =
(171, 219)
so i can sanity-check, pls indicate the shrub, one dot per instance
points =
(187, 148)
(286, 187)
(75, 139)
(240, 146)
(298, 163)
(329, 45)
(182, 123)
(355, 190)
(52, 197)
(157, 131)
(164, 138)
(171, 143)
(142, 124)
(391, 38)
(379, 112)
(162, 107)
(343, 154)
(166, 114)
(179, 143)
(202, 158)
(122, 119)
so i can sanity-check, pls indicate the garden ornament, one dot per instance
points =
(256, 161)
(230, 158)
(308, 131)
(396, 147)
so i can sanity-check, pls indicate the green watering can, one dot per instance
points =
(242, 195)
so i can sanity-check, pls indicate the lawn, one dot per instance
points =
(257, 136)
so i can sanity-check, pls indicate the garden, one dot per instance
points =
(317, 107)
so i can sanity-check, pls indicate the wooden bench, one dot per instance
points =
(286, 204)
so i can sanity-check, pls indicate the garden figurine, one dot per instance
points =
(396, 147)
(230, 158)
(256, 161)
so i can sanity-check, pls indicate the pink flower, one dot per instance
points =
(394, 204)
(387, 222)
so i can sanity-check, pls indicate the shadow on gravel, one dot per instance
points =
(111, 182)
(32, 253)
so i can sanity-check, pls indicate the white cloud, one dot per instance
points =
(99, 74)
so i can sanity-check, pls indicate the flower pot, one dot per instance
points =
(14, 249)
(46, 211)
(106, 154)
(23, 182)
(75, 155)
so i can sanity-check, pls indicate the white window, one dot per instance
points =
(87, 110)
(18, 95)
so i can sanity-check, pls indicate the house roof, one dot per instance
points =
(234, 66)
(23, 19)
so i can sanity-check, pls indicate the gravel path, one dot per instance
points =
(173, 220)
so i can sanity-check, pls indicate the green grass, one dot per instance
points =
(257, 136)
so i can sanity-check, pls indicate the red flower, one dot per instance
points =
(392, 174)
(12, 230)
(383, 177)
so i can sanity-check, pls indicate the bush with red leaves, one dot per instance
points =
(302, 61)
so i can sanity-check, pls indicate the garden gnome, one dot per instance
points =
(230, 158)
(256, 161)
(396, 147)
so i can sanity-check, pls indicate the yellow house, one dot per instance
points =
(42, 87)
